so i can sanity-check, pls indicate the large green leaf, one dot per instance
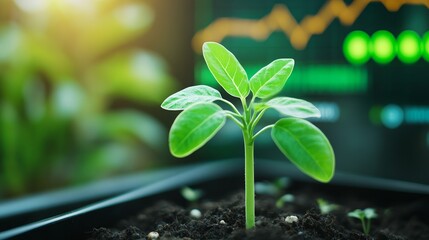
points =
(190, 96)
(194, 127)
(291, 107)
(270, 80)
(226, 69)
(306, 147)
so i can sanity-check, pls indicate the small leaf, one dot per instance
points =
(370, 213)
(190, 96)
(291, 107)
(194, 127)
(325, 207)
(359, 214)
(190, 194)
(305, 146)
(226, 69)
(270, 80)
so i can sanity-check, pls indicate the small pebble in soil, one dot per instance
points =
(291, 219)
(222, 222)
(195, 213)
(153, 235)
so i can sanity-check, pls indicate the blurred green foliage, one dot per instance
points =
(63, 65)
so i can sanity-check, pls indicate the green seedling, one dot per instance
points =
(325, 207)
(365, 217)
(287, 198)
(273, 188)
(302, 142)
(190, 194)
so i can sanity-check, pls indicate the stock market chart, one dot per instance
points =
(364, 63)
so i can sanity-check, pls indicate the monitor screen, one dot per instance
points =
(364, 64)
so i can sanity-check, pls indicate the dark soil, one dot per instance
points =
(400, 217)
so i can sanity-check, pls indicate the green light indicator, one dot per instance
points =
(409, 47)
(356, 47)
(425, 46)
(383, 47)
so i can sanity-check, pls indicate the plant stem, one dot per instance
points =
(256, 119)
(249, 179)
(231, 105)
(231, 116)
(367, 225)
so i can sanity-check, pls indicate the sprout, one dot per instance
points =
(326, 207)
(273, 188)
(192, 195)
(287, 198)
(202, 117)
(365, 217)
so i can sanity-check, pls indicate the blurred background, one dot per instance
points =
(81, 82)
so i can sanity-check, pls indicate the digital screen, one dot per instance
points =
(364, 64)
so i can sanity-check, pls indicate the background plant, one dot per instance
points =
(326, 207)
(365, 217)
(299, 140)
(67, 69)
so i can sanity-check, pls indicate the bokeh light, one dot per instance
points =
(409, 50)
(392, 116)
(356, 47)
(383, 46)
(425, 46)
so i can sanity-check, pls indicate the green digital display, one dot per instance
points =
(357, 47)
(425, 46)
(383, 46)
(365, 64)
(409, 50)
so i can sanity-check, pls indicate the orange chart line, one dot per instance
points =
(281, 19)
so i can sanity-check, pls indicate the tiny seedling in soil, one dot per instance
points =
(287, 198)
(299, 140)
(273, 188)
(325, 207)
(190, 194)
(365, 217)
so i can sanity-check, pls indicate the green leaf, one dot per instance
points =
(270, 80)
(291, 107)
(357, 213)
(190, 96)
(305, 146)
(190, 194)
(194, 127)
(226, 69)
(370, 213)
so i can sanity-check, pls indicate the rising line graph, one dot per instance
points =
(281, 19)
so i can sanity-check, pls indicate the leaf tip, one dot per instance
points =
(163, 106)
(206, 45)
(317, 113)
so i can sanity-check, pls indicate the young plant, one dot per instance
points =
(325, 207)
(286, 198)
(191, 195)
(302, 142)
(273, 188)
(365, 217)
